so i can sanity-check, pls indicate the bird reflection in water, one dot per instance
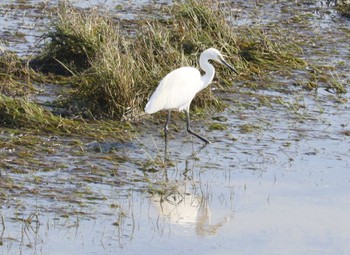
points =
(186, 209)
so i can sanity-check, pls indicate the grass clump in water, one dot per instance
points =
(250, 48)
(343, 7)
(19, 113)
(23, 114)
(194, 26)
(76, 38)
(108, 87)
(14, 75)
(89, 46)
(115, 73)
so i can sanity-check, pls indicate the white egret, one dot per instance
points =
(177, 89)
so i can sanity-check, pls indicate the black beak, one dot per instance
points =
(229, 66)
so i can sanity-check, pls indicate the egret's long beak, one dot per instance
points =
(229, 66)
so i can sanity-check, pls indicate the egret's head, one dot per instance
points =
(215, 55)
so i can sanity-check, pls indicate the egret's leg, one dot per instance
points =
(166, 128)
(189, 130)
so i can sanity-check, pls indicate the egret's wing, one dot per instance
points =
(176, 90)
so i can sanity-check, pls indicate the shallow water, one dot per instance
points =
(275, 181)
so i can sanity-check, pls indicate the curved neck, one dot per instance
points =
(208, 69)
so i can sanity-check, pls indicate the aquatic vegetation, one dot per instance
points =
(21, 113)
(115, 73)
(217, 126)
(107, 89)
(343, 7)
(14, 75)
(249, 128)
(207, 24)
(335, 84)
(112, 73)
(64, 172)
(75, 39)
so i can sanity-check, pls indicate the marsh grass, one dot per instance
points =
(343, 7)
(107, 88)
(116, 73)
(26, 115)
(76, 38)
(336, 85)
(19, 112)
(14, 75)
(113, 74)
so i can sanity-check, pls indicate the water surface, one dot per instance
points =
(276, 180)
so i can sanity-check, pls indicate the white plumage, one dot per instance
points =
(177, 89)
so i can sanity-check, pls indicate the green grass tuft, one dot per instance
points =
(20, 113)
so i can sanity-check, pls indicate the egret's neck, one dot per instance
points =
(209, 71)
